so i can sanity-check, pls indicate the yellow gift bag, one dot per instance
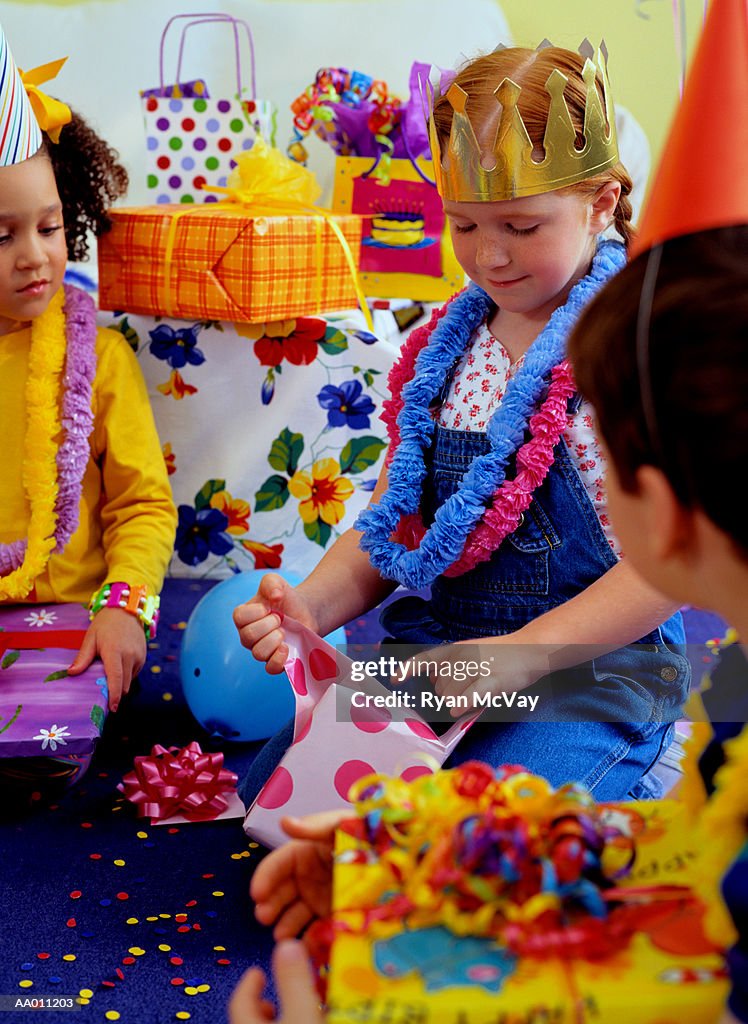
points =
(406, 251)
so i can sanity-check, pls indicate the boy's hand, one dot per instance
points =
(299, 1003)
(259, 620)
(293, 884)
(117, 638)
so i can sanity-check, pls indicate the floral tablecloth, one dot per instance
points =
(270, 432)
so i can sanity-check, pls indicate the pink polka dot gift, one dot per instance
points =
(347, 725)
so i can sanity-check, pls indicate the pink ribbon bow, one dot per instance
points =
(186, 781)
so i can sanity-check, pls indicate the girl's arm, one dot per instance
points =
(344, 583)
(342, 586)
(138, 516)
(616, 610)
(136, 511)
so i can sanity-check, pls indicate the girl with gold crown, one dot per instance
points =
(493, 494)
(661, 352)
(85, 503)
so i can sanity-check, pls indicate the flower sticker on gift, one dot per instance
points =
(41, 618)
(176, 386)
(346, 407)
(322, 487)
(322, 493)
(235, 510)
(297, 342)
(293, 340)
(218, 524)
(201, 532)
(177, 347)
(169, 458)
(53, 737)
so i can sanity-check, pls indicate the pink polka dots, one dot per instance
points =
(278, 789)
(214, 129)
(297, 675)
(420, 728)
(305, 724)
(348, 773)
(370, 719)
(321, 665)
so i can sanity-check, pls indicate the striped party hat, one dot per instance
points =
(20, 135)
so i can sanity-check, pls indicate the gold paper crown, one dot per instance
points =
(462, 175)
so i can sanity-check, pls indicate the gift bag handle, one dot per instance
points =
(408, 155)
(202, 19)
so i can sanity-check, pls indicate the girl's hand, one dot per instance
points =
(117, 638)
(293, 884)
(299, 1003)
(484, 666)
(259, 620)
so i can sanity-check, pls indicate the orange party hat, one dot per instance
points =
(702, 178)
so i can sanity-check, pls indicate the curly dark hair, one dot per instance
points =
(89, 179)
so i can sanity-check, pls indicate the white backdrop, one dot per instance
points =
(113, 51)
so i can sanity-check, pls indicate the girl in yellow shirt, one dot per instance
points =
(86, 512)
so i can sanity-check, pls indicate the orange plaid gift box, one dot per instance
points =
(221, 262)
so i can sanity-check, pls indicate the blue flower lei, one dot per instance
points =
(445, 539)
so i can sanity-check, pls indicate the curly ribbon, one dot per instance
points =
(266, 183)
(173, 781)
(496, 853)
(51, 114)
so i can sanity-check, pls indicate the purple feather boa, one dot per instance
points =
(77, 423)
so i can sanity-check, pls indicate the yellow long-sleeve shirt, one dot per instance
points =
(127, 516)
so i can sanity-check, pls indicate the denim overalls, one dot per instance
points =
(557, 551)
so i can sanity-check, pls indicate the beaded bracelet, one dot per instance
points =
(132, 599)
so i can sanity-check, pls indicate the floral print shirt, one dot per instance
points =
(476, 389)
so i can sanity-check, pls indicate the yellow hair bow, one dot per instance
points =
(51, 114)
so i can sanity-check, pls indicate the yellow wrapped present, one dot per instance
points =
(470, 897)
(265, 253)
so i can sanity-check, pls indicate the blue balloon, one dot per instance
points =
(229, 693)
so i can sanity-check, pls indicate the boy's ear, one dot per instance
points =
(603, 206)
(669, 525)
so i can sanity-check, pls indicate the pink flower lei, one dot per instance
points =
(77, 423)
(513, 498)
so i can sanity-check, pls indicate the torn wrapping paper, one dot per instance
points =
(337, 742)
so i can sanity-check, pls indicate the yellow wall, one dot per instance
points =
(640, 35)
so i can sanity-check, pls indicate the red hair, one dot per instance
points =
(530, 69)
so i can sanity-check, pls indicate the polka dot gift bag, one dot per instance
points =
(193, 136)
(347, 725)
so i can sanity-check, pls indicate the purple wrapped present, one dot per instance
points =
(46, 716)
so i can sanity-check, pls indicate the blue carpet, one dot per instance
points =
(152, 926)
(67, 901)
